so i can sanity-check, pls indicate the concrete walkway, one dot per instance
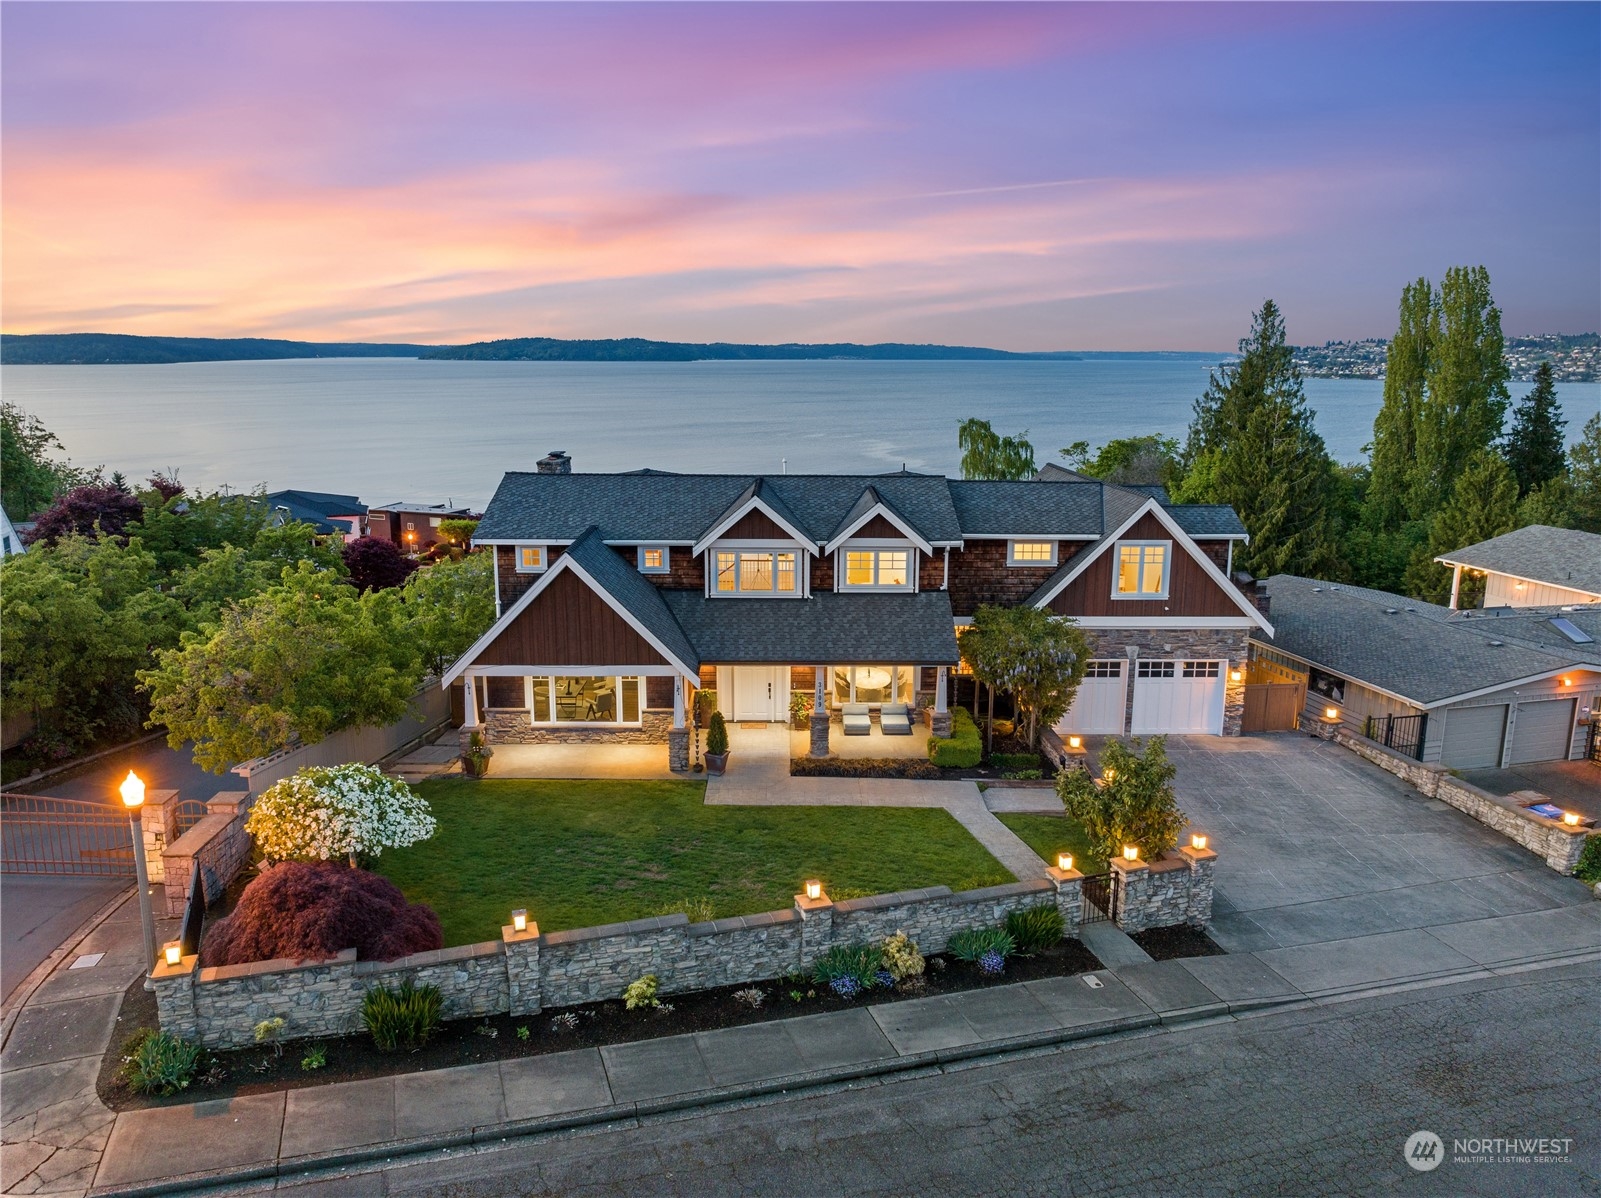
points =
(758, 776)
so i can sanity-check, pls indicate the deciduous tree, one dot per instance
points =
(30, 478)
(449, 605)
(1129, 461)
(987, 454)
(1038, 657)
(1584, 472)
(92, 510)
(1483, 504)
(1135, 805)
(375, 563)
(1395, 428)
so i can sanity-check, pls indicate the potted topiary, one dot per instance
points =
(475, 761)
(717, 745)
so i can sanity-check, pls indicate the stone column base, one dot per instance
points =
(819, 745)
(678, 749)
(939, 723)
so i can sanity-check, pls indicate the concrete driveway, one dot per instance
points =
(1575, 785)
(1317, 845)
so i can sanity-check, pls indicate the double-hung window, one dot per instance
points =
(755, 572)
(1142, 570)
(530, 559)
(878, 569)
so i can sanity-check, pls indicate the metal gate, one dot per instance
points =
(1403, 733)
(1100, 899)
(42, 835)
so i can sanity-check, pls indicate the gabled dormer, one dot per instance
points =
(875, 548)
(757, 549)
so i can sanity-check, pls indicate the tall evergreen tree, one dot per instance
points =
(1395, 429)
(1465, 398)
(1483, 504)
(1534, 446)
(1252, 444)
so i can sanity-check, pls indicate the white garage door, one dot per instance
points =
(1473, 737)
(1098, 706)
(1178, 696)
(1542, 731)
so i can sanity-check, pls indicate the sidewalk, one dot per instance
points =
(60, 1140)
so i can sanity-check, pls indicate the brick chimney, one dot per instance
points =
(555, 462)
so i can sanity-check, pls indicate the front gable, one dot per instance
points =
(568, 623)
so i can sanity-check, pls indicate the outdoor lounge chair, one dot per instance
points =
(857, 719)
(895, 720)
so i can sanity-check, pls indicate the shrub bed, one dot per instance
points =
(963, 749)
(862, 767)
(1016, 761)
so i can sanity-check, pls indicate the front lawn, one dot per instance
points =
(1049, 835)
(582, 853)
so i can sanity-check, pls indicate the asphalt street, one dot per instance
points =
(1319, 1100)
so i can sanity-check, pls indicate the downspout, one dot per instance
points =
(945, 582)
(495, 553)
(1229, 569)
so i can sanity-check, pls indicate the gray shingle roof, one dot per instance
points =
(625, 584)
(1028, 507)
(1420, 651)
(1203, 520)
(829, 627)
(1564, 557)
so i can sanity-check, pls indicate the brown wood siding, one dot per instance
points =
(569, 624)
(822, 573)
(512, 584)
(878, 526)
(505, 692)
(659, 692)
(930, 570)
(979, 574)
(756, 526)
(1218, 551)
(685, 571)
(1191, 591)
(803, 678)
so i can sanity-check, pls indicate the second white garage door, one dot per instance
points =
(1178, 696)
(1542, 731)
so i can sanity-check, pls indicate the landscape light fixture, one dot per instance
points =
(1571, 818)
(1331, 713)
(519, 920)
(1131, 852)
(1197, 841)
(1075, 742)
(1108, 774)
(814, 889)
(1234, 675)
(133, 798)
(173, 952)
(1064, 861)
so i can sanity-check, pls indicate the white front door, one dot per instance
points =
(1177, 696)
(1099, 701)
(761, 693)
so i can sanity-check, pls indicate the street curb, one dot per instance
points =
(41, 972)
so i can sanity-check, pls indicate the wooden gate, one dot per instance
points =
(1274, 696)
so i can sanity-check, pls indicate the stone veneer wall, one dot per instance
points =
(510, 726)
(1552, 840)
(526, 972)
(218, 841)
(1174, 890)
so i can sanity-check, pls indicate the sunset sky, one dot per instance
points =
(1029, 177)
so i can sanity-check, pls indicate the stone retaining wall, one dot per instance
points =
(1175, 890)
(1552, 840)
(218, 841)
(510, 726)
(525, 972)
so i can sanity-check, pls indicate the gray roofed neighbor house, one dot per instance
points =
(1563, 557)
(831, 627)
(626, 585)
(1420, 651)
(313, 507)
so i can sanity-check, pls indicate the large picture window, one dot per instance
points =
(755, 572)
(881, 569)
(585, 699)
(1142, 570)
(873, 684)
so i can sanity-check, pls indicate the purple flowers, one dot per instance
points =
(992, 963)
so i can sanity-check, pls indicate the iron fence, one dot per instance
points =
(1403, 733)
(1100, 899)
(43, 835)
(190, 812)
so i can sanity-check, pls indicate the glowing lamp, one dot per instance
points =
(1075, 742)
(519, 920)
(172, 952)
(1131, 852)
(1567, 682)
(1064, 861)
(133, 790)
(1331, 713)
(1571, 818)
(814, 889)
(1197, 842)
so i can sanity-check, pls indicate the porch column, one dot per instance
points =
(528, 697)
(819, 722)
(1456, 585)
(678, 736)
(470, 683)
(939, 722)
(939, 692)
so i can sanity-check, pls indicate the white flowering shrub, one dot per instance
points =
(323, 813)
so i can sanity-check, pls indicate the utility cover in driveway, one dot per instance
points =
(1473, 737)
(1542, 731)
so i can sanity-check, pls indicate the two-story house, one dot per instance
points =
(621, 594)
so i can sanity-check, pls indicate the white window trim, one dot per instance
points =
(913, 563)
(1167, 570)
(742, 548)
(544, 559)
(893, 667)
(1013, 560)
(617, 680)
(665, 568)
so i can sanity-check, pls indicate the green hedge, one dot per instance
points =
(1016, 761)
(962, 749)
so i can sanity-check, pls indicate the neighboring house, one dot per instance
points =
(1535, 566)
(620, 594)
(10, 541)
(1463, 689)
(412, 526)
(342, 514)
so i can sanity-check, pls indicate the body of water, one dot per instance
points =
(397, 428)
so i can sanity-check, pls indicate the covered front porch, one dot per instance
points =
(835, 709)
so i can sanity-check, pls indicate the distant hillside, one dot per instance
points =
(637, 349)
(78, 349)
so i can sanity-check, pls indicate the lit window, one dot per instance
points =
(530, 559)
(653, 559)
(433, 521)
(1031, 553)
(786, 572)
(756, 572)
(880, 568)
(726, 563)
(584, 700)
(1142, 569)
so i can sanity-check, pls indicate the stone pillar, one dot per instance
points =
(175, 997)
(522, 969)
(158, 821)
(819, 721)
(817, 926)
(1130, 882)
(1198, 910)
(939, 723)
(1233, 697)
(678, 749)
(1069, 898)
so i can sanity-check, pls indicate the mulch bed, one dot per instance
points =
(1168, 944)
(475, 1041)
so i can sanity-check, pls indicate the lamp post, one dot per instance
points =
(133, 798)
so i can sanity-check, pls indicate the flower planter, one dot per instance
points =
(475, 766)
(716, 763)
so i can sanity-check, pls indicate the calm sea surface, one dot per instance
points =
(388, 429)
